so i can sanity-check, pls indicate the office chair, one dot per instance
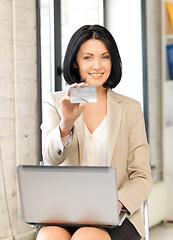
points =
(146, 219)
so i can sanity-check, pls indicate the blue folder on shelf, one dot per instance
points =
(169, 49)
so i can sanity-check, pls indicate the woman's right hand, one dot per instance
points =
(70, 111)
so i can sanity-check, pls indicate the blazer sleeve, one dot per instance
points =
(137, 187)
(53, 150)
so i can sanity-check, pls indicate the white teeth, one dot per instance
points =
(96, 75)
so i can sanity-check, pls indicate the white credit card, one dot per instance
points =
(83, 94)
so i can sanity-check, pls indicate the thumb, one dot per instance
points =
(82, 107)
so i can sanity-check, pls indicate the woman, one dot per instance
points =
(109, 132)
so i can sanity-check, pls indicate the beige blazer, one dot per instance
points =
(127, 149)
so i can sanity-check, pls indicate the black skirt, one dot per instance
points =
(124, 232)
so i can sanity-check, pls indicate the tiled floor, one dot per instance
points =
(163, 231)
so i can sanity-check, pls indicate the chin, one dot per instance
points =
(96, 82)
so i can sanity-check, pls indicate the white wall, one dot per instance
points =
(18, 104)
(123, 19)
(153, 22)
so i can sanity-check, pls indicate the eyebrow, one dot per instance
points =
(93, 54)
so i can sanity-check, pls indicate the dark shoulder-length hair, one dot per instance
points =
(71, 73)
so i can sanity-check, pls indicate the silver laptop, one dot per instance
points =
(76, 196)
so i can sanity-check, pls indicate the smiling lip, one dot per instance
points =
(96, 75)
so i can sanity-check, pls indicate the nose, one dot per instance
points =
(97, 64)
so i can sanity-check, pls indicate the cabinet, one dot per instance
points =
(167, 109)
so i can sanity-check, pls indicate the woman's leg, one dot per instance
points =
(124, 232)
(90, 233)
(53, 233)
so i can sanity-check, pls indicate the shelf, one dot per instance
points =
(169, 127)
(167, 107)
(169, 82)
(169, 37)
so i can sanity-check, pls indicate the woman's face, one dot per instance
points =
(94, 62)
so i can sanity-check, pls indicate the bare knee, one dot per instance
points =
(53, 233)
(90, 233)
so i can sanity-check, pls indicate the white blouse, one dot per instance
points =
(95, 145)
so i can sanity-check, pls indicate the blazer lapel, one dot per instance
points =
(79, 128)
(114, 114)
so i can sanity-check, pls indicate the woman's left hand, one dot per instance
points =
(120, 206)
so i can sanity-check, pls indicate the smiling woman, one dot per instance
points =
(109, 132)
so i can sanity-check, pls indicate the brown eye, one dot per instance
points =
(105, 57)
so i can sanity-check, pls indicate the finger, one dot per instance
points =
(82, 84)
(82, 105)
(66, 98)
(74, 85)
